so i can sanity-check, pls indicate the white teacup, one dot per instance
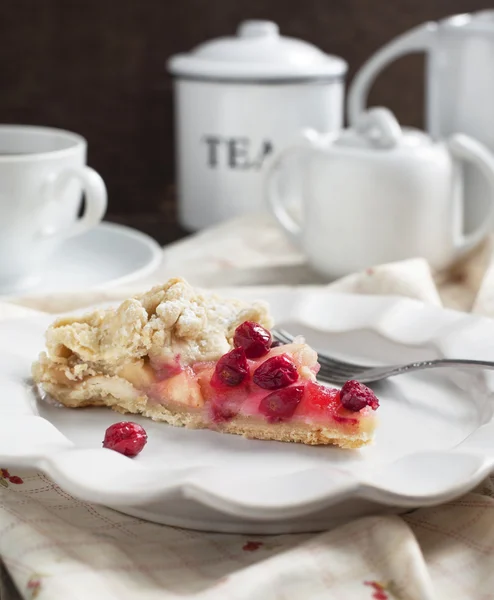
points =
(42, 178)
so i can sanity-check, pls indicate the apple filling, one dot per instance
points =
(256, 382)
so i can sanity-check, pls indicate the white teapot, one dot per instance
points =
(459, 85)
(378, 193)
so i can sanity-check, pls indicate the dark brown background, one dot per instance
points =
(97, 67)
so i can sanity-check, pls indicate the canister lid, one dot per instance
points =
(257, 53)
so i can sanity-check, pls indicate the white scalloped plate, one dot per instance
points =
(435, 439)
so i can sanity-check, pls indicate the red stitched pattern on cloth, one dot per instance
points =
(34, 586)
(6, 477)
(379, 592)
(251, 546)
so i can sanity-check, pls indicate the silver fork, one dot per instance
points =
(338, 371)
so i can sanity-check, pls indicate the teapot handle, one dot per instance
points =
(418, 39)
(273, 197)
(465, 148)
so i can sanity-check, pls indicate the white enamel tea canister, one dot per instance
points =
(459, 90)
(377, 193)
(237, 100)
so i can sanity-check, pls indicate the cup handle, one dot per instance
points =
(418, 39)
(95, 195)
(274, 173)
(465, 148)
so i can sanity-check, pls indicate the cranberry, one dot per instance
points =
(125, 437)
(253, 338)
(276, 372)
(231, 369)
(355, 396)
(280, 405)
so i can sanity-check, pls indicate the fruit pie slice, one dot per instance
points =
(192, 359)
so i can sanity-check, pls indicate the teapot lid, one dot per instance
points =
(257, 53)
(378, 129)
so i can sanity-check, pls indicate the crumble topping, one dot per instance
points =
(170, 322)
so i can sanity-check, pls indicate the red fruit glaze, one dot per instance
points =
(355, 396)
(280, 405)
(221, 415)
(320, 401)
(166, 370)
(222, 412)
(231, 369)
(125, 437)
(253, 338)
(345, 420)
(276, 372)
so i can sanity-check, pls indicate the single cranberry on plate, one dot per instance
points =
(253, 338)
(355, 396)
(281, 404)
(125, 437)
(275, 373)
(232, 369)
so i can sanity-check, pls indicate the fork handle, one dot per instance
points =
(376, 373)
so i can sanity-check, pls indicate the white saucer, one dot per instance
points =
(108, 255)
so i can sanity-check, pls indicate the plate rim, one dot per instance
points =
(197, 488)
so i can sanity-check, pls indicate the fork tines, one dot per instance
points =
(332, 370)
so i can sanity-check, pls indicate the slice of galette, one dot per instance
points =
(190, 358)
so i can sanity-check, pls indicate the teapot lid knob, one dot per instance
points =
(380, 127)
(256, 29)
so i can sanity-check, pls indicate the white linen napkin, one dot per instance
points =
(251, 250)
(57, 547)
